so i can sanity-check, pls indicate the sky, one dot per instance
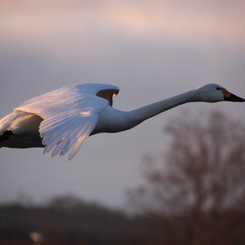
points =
(150, 49)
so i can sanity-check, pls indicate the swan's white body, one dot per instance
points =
(62, 119)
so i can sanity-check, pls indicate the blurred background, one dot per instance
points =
(150, 49)
(191, 194)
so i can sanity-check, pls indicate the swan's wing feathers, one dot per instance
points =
(69, 135)
(69, 118)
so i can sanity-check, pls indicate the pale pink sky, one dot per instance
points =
(150, 49)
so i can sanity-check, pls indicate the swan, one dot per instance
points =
(62, 119)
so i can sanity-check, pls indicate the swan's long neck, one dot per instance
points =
(113, 120)
(139, 115)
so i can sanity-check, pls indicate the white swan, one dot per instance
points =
(62, 119)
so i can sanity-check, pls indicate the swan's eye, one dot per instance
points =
(218, 88)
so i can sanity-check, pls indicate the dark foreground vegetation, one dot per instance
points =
(69, 220)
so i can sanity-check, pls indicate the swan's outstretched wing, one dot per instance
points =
(69, 116)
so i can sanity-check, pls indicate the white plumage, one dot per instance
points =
(62, 119)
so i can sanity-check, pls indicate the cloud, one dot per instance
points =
(56, 24)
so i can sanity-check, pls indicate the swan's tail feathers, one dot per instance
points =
(5, 135)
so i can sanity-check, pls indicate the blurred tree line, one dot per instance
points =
(193, 194)
(196, 192)
(70, 221)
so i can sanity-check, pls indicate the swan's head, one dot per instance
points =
(214, 93)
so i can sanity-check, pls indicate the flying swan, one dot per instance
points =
(62, 119)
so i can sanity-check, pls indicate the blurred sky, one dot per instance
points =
(151, 49)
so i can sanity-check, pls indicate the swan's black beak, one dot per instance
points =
(231, 97)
